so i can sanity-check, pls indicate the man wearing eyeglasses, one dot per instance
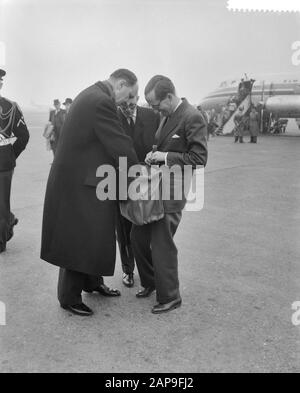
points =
(180, 140)
(140, 124)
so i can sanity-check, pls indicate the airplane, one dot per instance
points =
(276, 95)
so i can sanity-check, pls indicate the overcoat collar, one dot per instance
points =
(107, 88)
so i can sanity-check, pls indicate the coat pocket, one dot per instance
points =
(7, 158)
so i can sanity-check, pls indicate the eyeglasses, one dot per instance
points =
(156, 106)
(126, 106)
(131, 106)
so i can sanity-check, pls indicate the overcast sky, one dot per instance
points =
(55, 48)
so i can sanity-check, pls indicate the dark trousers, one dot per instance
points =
(6, 217)
(71, 284)
(53, 145)
(156, 256)
(125, 247)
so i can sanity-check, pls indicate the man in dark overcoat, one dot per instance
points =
(14, 137)
(141, 125)
(78, 229)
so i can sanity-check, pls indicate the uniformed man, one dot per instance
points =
(14, 137)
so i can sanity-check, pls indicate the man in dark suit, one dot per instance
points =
(181, 140)
(141, 125)
(57, 118)
(79, 229)
(12, 125)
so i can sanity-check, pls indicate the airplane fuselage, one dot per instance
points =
(280, 95)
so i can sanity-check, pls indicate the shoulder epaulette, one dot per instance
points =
(18, 107)
(9, 101)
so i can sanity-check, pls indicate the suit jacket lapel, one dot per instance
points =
(171, 124)
(157, 136)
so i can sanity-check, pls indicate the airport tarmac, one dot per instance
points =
(239, 275)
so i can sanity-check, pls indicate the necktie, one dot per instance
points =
(162, 124)
(131, 125)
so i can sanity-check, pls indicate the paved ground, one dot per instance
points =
(239, 273)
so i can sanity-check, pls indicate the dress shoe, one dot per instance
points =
(128, 280)
(79, 309)
(11, 230)
(161, 308)
(104, 290)
(146, 292)
(2, 248)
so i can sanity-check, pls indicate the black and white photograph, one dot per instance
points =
(149, 189)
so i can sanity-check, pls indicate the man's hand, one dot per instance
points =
(158, 156)
(148, 159)
(155, 157)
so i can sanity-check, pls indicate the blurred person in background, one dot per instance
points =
(56, 118)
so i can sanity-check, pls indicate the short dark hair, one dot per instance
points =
(125, 74)
(161, 85)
